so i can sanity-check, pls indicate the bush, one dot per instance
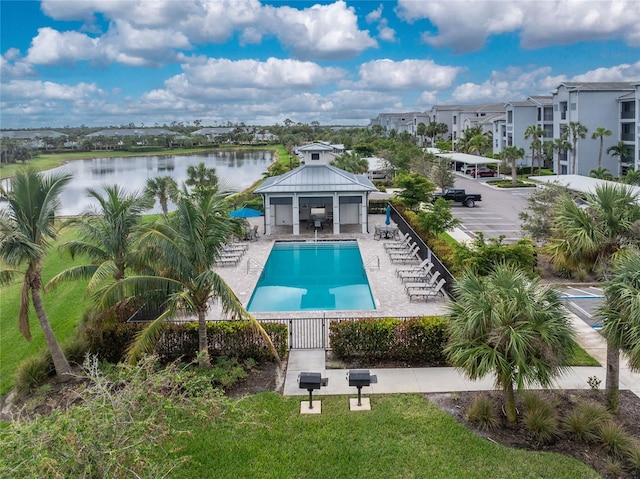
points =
(179, 341)
(633, 457)
(540, 418)
(484, 413)
(614, 438)
(34, 371)
(584, 421)
(414, 340)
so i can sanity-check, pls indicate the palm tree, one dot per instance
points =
(601, 173)
(511, 154)
(621, 313)
(201, 178)
(575, 130)
(164, 188)
(561, 144)
(185, 248)
(621, 151)
(106, 237)
(478, 144)
(632, 177)
(351, 162)
(26, 226)
(600, 132)
(536, 133)
(591, 235)
(510, 326)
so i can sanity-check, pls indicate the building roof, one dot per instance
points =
(315, 147)
(597, 86)
(541, 99)
(214, 130)
(316, 178)
(469, 159)
(132, 132)
(30, 134)
(582, 184)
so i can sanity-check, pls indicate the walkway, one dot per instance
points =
(430, 380)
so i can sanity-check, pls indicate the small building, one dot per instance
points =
(315, 195)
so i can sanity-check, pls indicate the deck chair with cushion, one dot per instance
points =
(424, 284)
(428, 293)
(414, 268)
(420, 276)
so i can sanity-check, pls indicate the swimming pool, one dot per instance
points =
(313, 276)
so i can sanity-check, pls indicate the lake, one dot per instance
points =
(236, 170)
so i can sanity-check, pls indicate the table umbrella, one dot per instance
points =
(245, 212)
(387, 221)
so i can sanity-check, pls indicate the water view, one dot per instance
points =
(237, 170)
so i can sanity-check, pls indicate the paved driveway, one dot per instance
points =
(496, 214)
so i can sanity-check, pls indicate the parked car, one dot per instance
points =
(458, 195)
(482, 172)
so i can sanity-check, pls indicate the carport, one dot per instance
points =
(464, 160)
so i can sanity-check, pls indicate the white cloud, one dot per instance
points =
(52, 47)
(624, 72)
(406, 75)
(27, 89)
(375, 15)
(464, 26)
(12, 66)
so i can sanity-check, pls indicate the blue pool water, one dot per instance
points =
(313, 276)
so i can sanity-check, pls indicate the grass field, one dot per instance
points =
(403, 436)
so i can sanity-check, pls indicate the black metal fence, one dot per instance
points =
(425, 251)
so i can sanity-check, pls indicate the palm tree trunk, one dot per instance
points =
(203, 350)
(600, 153)
(510, 404)
(57, 355)
(612, 384)
(514, 173)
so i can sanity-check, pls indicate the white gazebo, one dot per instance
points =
(469, 160)
(314, 195)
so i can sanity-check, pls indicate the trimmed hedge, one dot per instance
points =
(236, 339)
(418, 340)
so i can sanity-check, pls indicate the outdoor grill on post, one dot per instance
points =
(311, 381)
(360, 378)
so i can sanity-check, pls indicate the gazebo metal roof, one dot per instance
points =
(316, 178)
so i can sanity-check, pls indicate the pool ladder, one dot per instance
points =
(254, 265)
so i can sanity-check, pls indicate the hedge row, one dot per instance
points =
(180, 341)
(419, 340)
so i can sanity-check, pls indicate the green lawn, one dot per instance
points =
(403, 436)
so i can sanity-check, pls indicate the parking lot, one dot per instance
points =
(584, 301)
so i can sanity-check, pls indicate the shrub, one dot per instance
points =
(584, 421)
(614, 438)
(633, 457)
(34, 371)
(540, 419)
(117, 429)
(484, 412)
(417, 339)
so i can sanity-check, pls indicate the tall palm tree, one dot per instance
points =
(621, 313)
(621, 327)
(536, 133)
(621, 151)
(26, 227)
(600, 132)
(575, 130)
(201, 178)
(510, 326)
(184, 249)
(561, 144)
(164, 188)
(478, 144)
(105, 236)
(511, 154)
(591, 235)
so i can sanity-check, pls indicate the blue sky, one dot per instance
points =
(151, 62)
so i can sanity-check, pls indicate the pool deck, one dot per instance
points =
(388, 291)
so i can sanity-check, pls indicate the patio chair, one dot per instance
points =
(428, 293)
(406, 257)
(421, 276)
(415, 268)
(404, 251)
(253, 234)
(423, 285)
(376, 232)
(403, 239)
(406, 244)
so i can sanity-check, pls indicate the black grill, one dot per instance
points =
(311, 381)
(360, 378)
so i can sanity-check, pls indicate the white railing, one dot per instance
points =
(254, 265)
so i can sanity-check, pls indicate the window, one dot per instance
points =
(563, 110)
(315, 156)
(455, 120)
(628, 110)
(626, 131)
(548, 131)
(539, 114)
(548, 113)
(510, 116)
(573, 107)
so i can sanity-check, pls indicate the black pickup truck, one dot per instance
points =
(459, 196)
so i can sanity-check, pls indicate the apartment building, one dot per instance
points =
(535, 110)
(612, 105)
(401, 122)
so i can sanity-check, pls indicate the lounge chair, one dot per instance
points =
(376, 232)
(423, 285)
(427, 293)
(415, 268)
(397, 244)
(407, 255)
(421, 276)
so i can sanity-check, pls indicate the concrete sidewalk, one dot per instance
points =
(429, 380)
